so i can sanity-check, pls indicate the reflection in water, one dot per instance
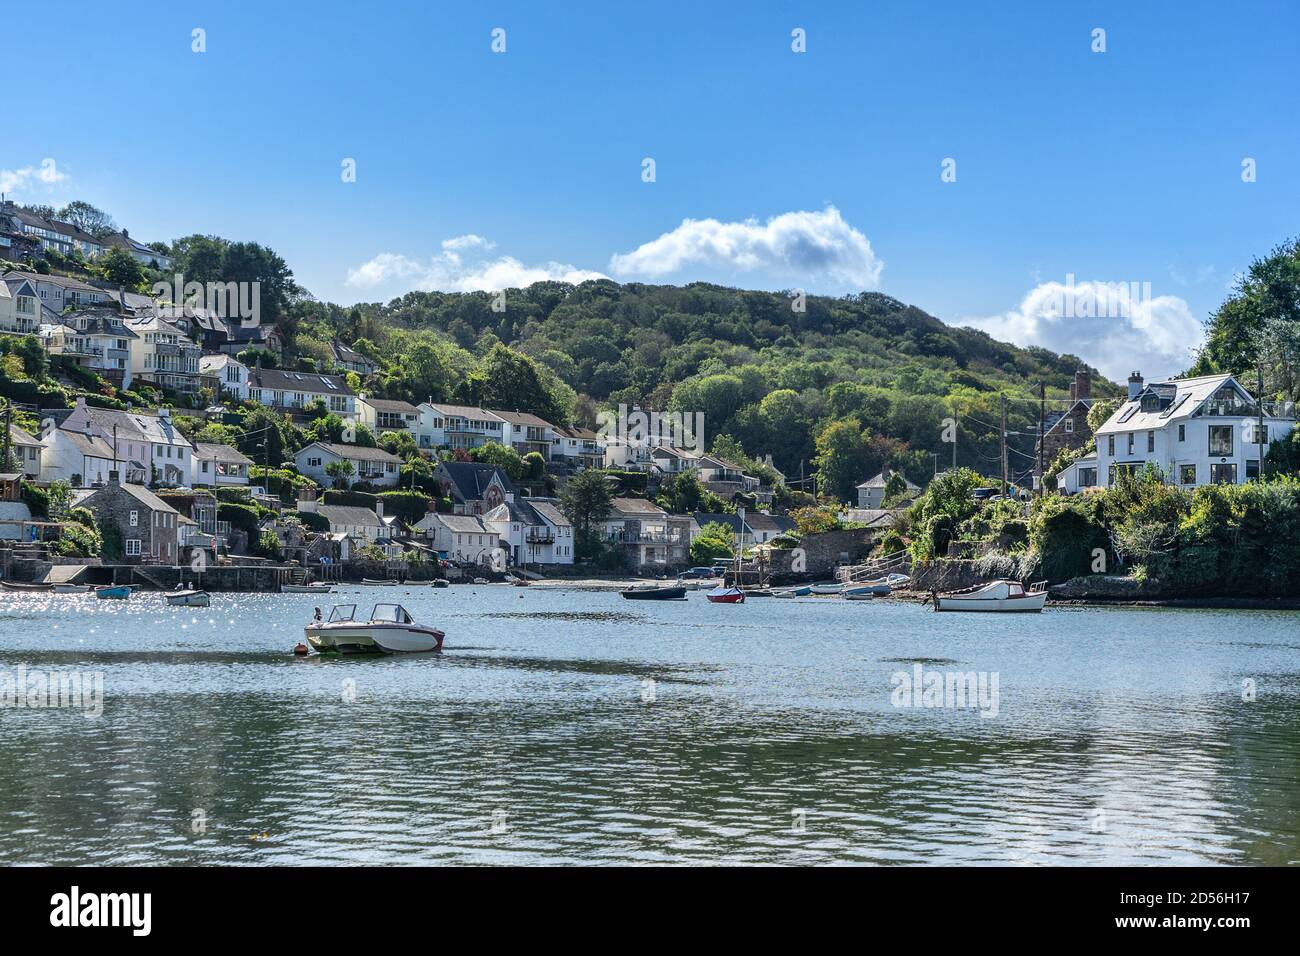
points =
(756, 733)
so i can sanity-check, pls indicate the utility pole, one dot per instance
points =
(1042, 413)
(1259, 399)
(9, 417)
(1002, 398)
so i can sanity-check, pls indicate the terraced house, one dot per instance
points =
(293, 391)
(164, 355)
(99, 341)
(457, 426)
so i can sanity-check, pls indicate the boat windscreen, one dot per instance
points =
(390, 612)
(343, 612)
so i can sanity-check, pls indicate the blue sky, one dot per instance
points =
(820, 170)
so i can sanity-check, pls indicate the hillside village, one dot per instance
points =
(142, 430)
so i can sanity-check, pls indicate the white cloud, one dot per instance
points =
(15, 180)
(468, 241)
(453, 271)
(803, 247)
(1118, 327)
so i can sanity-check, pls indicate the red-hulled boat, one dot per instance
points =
(726, 596)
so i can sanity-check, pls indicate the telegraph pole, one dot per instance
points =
(9, 417)
(1042, 413)
(1003, 402)
(1259, 400)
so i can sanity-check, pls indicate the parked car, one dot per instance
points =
(699, 573)
(718, 570)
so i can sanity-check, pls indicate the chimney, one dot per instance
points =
(165, 413)
(125, 234)
(307, 501)
(1134, 385)
(379, 510)
(1082, 383)
(114, 479)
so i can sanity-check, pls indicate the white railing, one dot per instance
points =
(851, 573)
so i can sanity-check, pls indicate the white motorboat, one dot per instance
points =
(832, 588)
(307, 588)
(73, 588)
(389, 630)
(994, 596)
(179, 598)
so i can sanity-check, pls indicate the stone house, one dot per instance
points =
(150, 528)
(1067, 428)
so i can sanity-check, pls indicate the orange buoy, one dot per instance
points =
(300, 649)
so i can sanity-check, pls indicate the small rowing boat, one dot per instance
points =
(179, 598)
(726, 595)
(72, 589)
(117, 592)
(441, 583)
(23, 586)
(375, 582)
(800, 590)
(655, 594)
(307, 588)
(832, 588)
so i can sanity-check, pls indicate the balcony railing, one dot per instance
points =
(539, 536)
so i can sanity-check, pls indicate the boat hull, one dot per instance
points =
(655, 594)
(189, 599)
(19, 586)
(119, 593)
(1028, 603)
(374, 637)
(307, 588)
(726, 596)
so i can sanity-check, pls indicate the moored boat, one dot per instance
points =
(117, 592)
(993, 596)
(179, 598)
(307, 588)
(390, 630)
(831, 588)
(673, 593)
(377, 581)
(24, 586)
(72, 589)
(861, 592)
(721, 595)
(441, 583)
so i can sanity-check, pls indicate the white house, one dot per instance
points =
(150, 447)
(27, 452)
(294, 391)
(98, 341)
(20, 312)
(231, 373)
(360, 524)
(79, 458)
(871, 493)
(387, 415)
(457, 426)
(1197, 431)
(215, 464)
(534, 531)
(372, 465)
(161, 353)
(579, 448)
(459, 537)
(525, 432)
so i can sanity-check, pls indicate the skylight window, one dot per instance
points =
(1129, 413)
(1175, 406)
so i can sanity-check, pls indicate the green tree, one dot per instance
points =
(586, 501)
(714, 542)
(843, 459)
(340, 472)
(88, 218)
(121, 268)
(507, 459)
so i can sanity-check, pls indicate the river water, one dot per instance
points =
(569, 726)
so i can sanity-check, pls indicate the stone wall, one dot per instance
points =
(823, 552)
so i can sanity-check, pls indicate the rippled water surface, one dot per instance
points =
(567, 726)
